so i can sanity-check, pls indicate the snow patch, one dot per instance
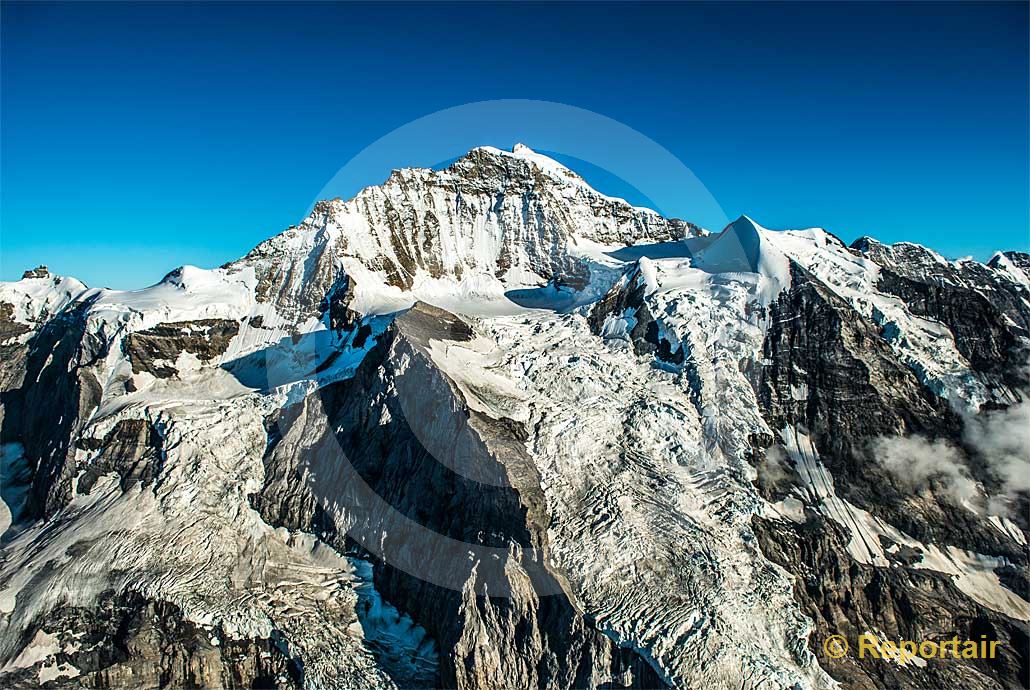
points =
(42, 647)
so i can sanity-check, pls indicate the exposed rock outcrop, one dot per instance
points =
(396, 458)
(129, 641)
(46, 412)
(843, 597)
(624, 312)
(9, 328)
(857, 391)
(133, 449)
(988, 315)
(156, 349)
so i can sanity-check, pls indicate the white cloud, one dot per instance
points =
(1000, 437)
(919, 463)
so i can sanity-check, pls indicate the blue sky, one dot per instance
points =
(140, 136)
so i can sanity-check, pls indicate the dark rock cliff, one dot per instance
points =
(54, 395)
(857, 391)
(843, 597)
(155, 350)
(446, 502)
(129, 641)
(987, 314)
(647, 334)
(133, 449)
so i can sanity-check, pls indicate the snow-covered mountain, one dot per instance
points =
(486, 427)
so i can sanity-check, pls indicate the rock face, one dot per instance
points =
(623, 311)
(56, 393)
(9, 327)
(156, 349)
(401, 444)
(857, 392)
(847, 598)
(485, 427)
(986, 312)
(133, 449)
(128, 641)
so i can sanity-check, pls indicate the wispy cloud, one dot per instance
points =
(917, 463)
(1001, 438)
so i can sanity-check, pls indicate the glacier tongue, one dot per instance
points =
(650, 508)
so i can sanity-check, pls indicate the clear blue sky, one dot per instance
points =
(140, 136)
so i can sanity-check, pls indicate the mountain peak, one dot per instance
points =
(746, 221)
(548, 165)
(743, 247)
(40, 271)
(492, 221)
